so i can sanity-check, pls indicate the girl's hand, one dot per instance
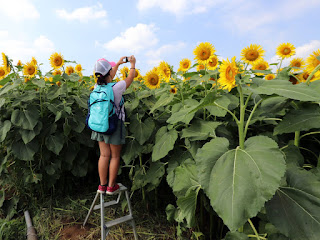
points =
(132, 59)
(121, 60)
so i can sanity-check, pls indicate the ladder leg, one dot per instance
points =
(134, 229)
(103, 230)
(130, 212)
(129, 203)
(91, 208)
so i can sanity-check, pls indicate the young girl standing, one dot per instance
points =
(110, 145)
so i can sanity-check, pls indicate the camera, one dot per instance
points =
(126, 59)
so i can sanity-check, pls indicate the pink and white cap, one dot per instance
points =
(103, 66)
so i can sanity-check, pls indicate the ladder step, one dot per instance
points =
(118, 221)
(106, 204)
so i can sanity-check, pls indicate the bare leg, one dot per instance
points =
(114, 164)
(103, 162)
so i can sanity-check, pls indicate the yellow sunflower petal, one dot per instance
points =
(313, 62)
(30, 69)
(213, 62)
(286, 50)
(164, 71)
(228, 71)
(184, 65)
(260, 65)
(56, 60)
(152, 79)
(252, 53)
(270, 76)
(78, 68)
(203, 52)
(69, 70)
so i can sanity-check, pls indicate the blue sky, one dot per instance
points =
(153, 30)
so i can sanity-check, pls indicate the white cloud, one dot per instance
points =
(154, 57)
(4, 34)
(178, 7)
(23, 50)
(19, 9)
(303, 51)
(252, 16)
(84, 14)
(43, 44)
(134, 39)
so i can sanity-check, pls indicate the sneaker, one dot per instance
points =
(102, 189)
(113, 190)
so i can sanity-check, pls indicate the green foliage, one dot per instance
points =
(298, 204)
(226, 156)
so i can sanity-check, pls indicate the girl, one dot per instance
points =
(110, 145)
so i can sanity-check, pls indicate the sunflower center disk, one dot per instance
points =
(230, 73)
(286, 51)
(205, 54)
(154, 81)
(252, 55)
(262, 67)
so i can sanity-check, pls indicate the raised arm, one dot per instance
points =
(114, 70)
(132, 71)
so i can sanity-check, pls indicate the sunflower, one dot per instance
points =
(137, 75)
(270, 76)
(78, 68)
(298, 63)
(5, 60)
(27, 79)
(173, 89)
(203, 52)
(57, 72)
(3, 72)
(260, 65)
(304, 76)
(313, 62)
(58, 83)
(184, 65)
(56, 60)
(34, 61)
(124, 72)
(164, 71)
(200, 67)
(228, 71)
(152, 79)
(30, 69)
(252, 53)
(69, 70)
(48, 79)
(286, 50)
(19, 63)
(213, 62)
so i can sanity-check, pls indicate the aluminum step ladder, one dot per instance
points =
(106, 225)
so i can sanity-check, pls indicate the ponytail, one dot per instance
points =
(102, 80)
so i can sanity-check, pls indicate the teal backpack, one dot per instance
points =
(102, 117)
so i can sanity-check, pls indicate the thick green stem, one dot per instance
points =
(279, 66)
(241, 122)
(312, 73)
(144, 171)
(254, 229)
(231, 113)
(296, 138)
(249, 119)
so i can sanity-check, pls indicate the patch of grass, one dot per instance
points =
(61, 217)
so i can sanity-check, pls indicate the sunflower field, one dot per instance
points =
(230, 146)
